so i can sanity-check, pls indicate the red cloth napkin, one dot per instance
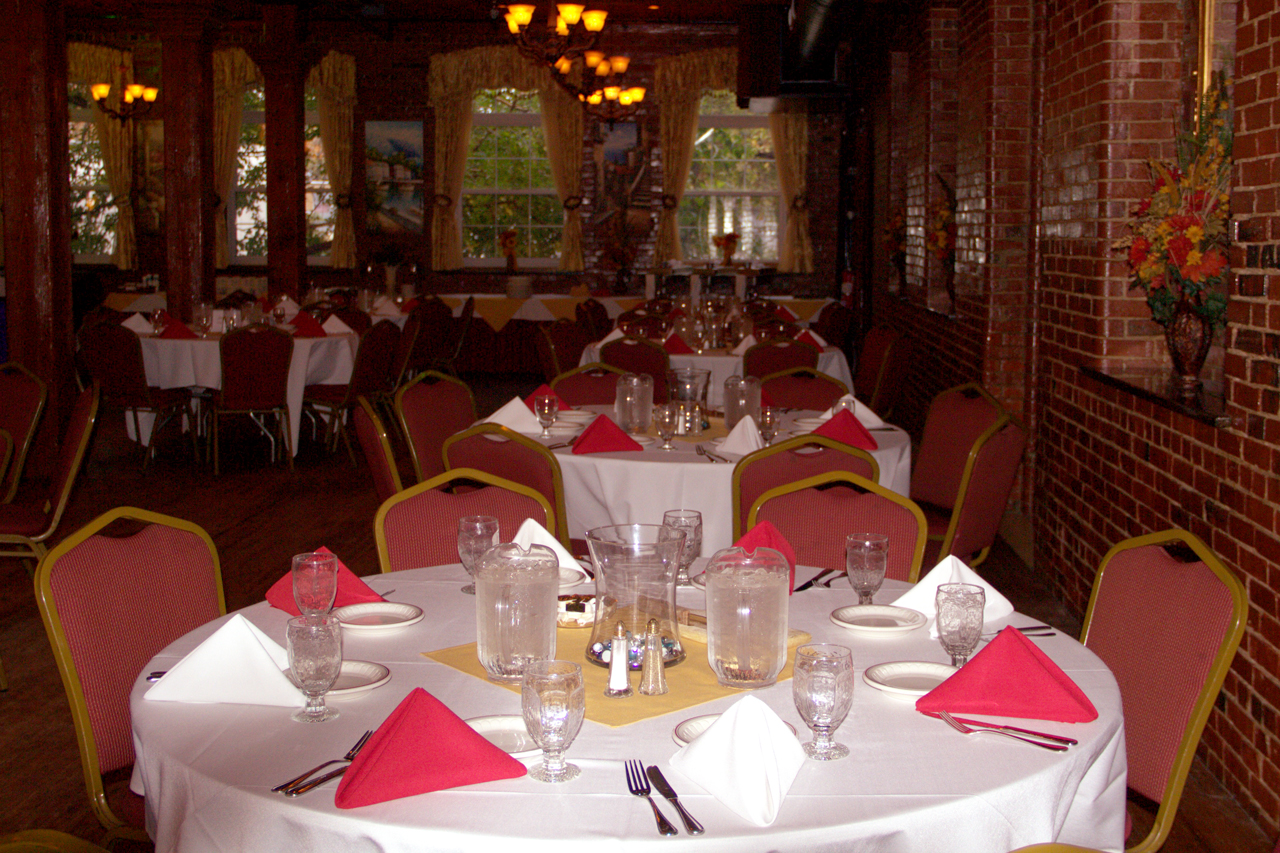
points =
(306, 326)
(765, 535)
(421, 747)
(178, 331)
(782, 312)
(806, 337)
(1011, 677)
(675, 345)
(546, 389)
(848, 429)
(351, 590)
(409, 305)
(604, 436)
(765, 399)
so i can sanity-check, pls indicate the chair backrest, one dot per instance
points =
(834, 323)
(959, 420)
(788, 461)
(882, 363)
(640, 355)
(593, 384)
(512, 456)
(461, 326)
(24, 396)
(643, 324)
(376, 445)
(594, 317)
(773, 328)
(984, 492)
(430, 408)
(6, 451)
(1167, 622)
(436, 334)
(419, 526)
(560, 345)
(400, 370)
(357, 320)
(802, 388)
(255, 368)
(71, 453)
(87, 589)
(768, 357)
(112, 354)
(817, 513)
(373, 360)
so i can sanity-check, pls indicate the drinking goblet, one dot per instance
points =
(822, 687)
(553, 700)
(476, 534)
(315, 582)
(690, 521)
(157, 321)
(204, 318)
(545, 407)
(665, 417)
(278, 311)
(315, 659)
(865, 556)
(960, 608)
(768, 423)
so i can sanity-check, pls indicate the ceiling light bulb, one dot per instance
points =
(511, 24)
(624, 97)
(603, 69)
(564, 64)
(149, 94)
(134, 90)
(595, 97)
(562, 29)
(522, 13)
(637, 94)
(100, 91)
(611, 92)
(593, 19)
(592, 58)
(619, 64)
(571, 12)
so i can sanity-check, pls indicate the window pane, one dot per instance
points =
(251, 224)
(545, 242)
(545, 210)
(93, 210)
(478, 209)
(511, 174)
(479, 242)
(320, 215)
(512, 210)
(479, 174)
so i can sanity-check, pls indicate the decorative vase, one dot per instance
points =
(1188, 336)
(727, 252)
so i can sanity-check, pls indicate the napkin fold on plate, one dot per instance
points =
(1011, 677)
(137, 324)
(765, 535)
(351, 590)
(921, 597)
(542, 389)
(808, 336)
(335, 326)
(515, 415)
(844, 427)
(177, 331)
(675, 345)
(747, 759)
(602, 435)
(385, 306)
(612, 336)
(865, 416)
(236, 665)
(306, 326)
(421, 747)
(291, 308)
(744, 438)
(533, 533)
(747, 343)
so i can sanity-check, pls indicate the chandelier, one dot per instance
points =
(135, 100)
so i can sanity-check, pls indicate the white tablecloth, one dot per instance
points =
(911, 783)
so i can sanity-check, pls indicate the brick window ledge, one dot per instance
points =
(1156, 385)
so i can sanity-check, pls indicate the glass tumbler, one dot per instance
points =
(865, 558)
(960, 610)
(747, 616)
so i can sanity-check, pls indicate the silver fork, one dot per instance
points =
(702, 451)
(965, 730)
(638, 785)
(350, 756)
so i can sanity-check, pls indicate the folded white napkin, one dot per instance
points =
(137, 323)
(612, 336)
(385, 306)
(335, 326)
(922, 596)
(747, 343)
(747, 760)
(865, 416)
(237, 665)
(744, 438)
(516, 415)
(533, 533)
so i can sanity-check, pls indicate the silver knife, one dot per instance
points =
(811, 581)
(664, 788)
(1045, 735)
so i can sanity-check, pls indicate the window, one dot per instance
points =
(508, 183)
(93, 210)
(733, 184)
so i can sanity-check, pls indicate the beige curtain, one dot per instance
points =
(790, 133)
(678, 85)
(89, 64)
(334, 82)
(562, 125)
(233, 71)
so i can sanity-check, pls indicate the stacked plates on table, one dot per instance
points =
(809, 424)
(377, 616)
(576, 416)
(878, 620)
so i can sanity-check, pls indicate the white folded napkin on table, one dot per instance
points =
(922, 596)
(612, 336)
(865, 416)
(747, 343)
(291, 308)
(516, 415)
(744, 438)
(384, 306)
(237, 665)
(533, 533)
(747, 760)
(335, 326)
(138, 324)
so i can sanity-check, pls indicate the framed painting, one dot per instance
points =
(394, 159)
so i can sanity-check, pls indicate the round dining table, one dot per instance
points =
(911, 783)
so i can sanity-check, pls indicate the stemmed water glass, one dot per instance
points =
(553, 700)
(665, 418)
(822, 687)
(768, 423)
(157, 320)
(315, 660)
(315, 582)
(278, 311)
(960, 609)
(476, 534)
(690, 521)
(545, 407)
(865, 557)
(204, 318)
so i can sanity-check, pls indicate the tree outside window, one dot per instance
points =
(93, 209)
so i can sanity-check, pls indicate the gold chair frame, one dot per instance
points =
(46, 841)
(19, 459)
(398, 407)
(807, 371)
(384, 440)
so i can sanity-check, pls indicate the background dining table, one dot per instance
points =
(910, 784)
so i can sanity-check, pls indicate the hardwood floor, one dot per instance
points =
(259, 516)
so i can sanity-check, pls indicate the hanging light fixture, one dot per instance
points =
(135, 99)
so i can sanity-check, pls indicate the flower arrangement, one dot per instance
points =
(895, 238)
(1177, 247)
(727, 244)
(507, 243)
(940, 236)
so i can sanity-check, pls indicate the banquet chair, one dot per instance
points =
(505, 453)
(255, 382)
(376, 446)
(593, 384)
(641, 323)
(778, 354)
(440, 336)
(22, 399)
(560, 345)
(834, 323)
(964, 471)
(816, 513)
(87, 589)
(429, 409)
(802, 388)
(788, 461)
(358, 321)
(1166, 617)
(368, 378)
(640, 355)
(24, 527)
(112, 355)
(594, 317)
(400, 371)
(46, 841)
(774, 328)
(419, 526)
(883, 359)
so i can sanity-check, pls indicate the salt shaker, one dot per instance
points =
(619, 670)
(653, 675)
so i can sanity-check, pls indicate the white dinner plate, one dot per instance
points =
(580, 416)
(507, 732)
(569, 578)
(644, 440)
(357, 676)
(699, 580)
(691, 728)
(563, 429)
(810, 424)
(878, 620)
(907, 677)
(377, 616)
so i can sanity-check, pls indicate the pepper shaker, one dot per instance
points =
(653, 673)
